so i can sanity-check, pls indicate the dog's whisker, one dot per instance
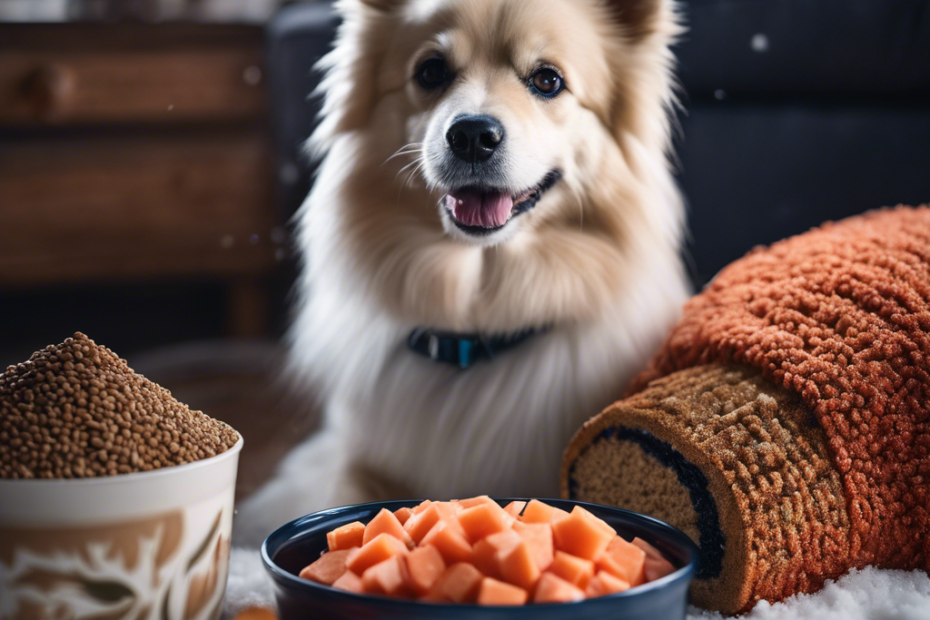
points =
(416, 164)
(416, 170)
(407, 149)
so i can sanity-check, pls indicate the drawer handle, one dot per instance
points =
(50, 88)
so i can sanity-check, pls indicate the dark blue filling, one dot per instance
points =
(708, 522)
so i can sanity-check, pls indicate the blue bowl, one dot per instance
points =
(298, 543)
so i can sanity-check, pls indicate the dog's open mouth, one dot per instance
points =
(481, 211)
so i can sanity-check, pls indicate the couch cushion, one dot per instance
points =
(871, 47)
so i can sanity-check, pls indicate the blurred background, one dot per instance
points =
(150, 162)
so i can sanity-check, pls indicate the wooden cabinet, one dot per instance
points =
(130, 152)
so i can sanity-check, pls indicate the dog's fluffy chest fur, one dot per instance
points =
(429, 429)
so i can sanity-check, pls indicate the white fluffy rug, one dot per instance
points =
(868, 594)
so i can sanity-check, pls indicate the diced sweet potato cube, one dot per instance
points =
(424, 566)
(449, 539)
(471, 502)
(422, 506)
(386, 523)
(649, 549)
(403, 514)
(656, 569)
(458, 584)
(328, 568)
(656, 565)
(600, 523)
(604, 583)
(350, 582)
(538, 537)
(448, 509)
(485, 552)
(256, 613)
(346, 536)
(388, 577)
(624, 560)
(577, 571)
(518, 567)
(514, 508)
(379, 549)
(494, 592)
(582, 534)
(420, 524)
(483, 520)
(538, 512)
(553, 589)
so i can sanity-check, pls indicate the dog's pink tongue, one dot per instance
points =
(475, 208)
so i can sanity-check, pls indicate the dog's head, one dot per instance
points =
(536, 127)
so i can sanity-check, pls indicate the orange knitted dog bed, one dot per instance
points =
(833, 323)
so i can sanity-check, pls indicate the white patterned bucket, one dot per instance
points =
(151, 545)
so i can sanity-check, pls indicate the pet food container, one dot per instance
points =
(150, 545)
(300, 542)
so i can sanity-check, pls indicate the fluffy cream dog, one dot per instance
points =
(495, 172)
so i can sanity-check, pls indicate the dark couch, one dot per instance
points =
(795, 112)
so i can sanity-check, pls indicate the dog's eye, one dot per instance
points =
(433, 73)
(547, 83)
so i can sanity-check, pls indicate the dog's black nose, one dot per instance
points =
(475, 138)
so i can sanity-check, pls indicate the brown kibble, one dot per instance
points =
(105, 420)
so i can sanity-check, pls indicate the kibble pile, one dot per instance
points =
(76, 410)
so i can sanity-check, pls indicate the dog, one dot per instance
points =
(492, 245)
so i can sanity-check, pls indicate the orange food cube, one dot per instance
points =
(553, 589)
(624, 560)
(485, 552)
(600, 523)
(379, 549)
(577, 571)
(449, 539)
(656, 569)
(422, 506)
(256, 613)
(538, 537)
(538, 512)
(388, 577)
(514, 508)
(327, 569)
(656, 565)
(582, 534)
(494, 592)
(604, 583)
(346, 536)
(403, 514)
(458, 584)
(386, 523)
(471, 502)
(483, 520)
(420, 524)
(649, 549)
(350, 582)
(424, 566)
(518, 567)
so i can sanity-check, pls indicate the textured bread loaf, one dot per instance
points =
(785, 424)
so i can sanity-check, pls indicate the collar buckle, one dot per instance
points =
(463, 350)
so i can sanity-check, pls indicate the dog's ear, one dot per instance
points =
(641, 18)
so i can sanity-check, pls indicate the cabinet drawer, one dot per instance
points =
(134, 206)
(148, 86)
